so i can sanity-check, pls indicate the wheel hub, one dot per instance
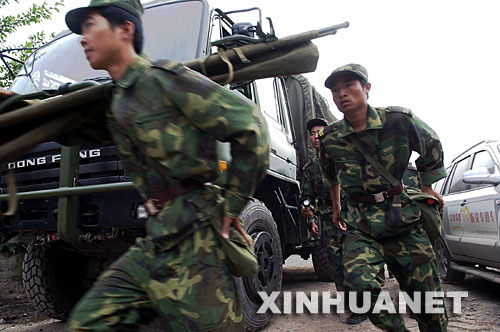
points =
(442, 258)
(266, 278)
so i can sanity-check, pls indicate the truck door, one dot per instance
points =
(272, 102)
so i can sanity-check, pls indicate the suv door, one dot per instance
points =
(455, 213)
(481, 203)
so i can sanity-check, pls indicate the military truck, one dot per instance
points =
(79, 207)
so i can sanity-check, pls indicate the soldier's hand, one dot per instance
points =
(306, 212)
(4, 94)
(338, 221)
(428, 189)
(314, 229)
(234, 222)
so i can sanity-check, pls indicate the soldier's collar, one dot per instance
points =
(373, 122)
(134, 70)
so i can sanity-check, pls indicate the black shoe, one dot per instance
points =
(355, 319)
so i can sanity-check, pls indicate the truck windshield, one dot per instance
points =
(173, 30)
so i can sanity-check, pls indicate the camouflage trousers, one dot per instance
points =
(188, 286)
(409, 256)
(335, 256)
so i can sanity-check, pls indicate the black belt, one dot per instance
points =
(155, 204)
(378, 197)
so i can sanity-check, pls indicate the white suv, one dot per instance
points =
(470, 240)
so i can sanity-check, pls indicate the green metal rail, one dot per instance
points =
(72, 191)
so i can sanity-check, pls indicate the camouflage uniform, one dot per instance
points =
(314, 189)
(385, 232)
(165, 123)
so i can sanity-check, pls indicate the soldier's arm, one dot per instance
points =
(229, 118)
(306, 187)
(425, 141)
(335, 196)
(307, 191)
(330, 179)
(327, 168)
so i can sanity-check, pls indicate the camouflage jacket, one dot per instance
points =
(391, 135)
(314, 189)
(165, 122)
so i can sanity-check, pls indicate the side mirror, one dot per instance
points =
(481, 175)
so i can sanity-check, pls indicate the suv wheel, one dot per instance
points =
(443, 256)
(260, 225)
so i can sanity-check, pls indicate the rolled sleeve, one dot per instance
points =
(428, 178)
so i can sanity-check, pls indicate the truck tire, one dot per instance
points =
(259, 224)
(322, 267)
(443, 256)
(53, 279)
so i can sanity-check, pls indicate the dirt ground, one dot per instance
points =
(480, 310)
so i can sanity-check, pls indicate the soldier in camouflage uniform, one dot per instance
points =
(380, 228)
(314, 190)
(312, 187)
(165, 120)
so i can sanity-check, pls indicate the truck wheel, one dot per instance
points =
(52, 279)
(443, 256)
(260, 225)
(322, 266)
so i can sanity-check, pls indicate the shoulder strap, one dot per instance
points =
(369, 157)
(169, 65)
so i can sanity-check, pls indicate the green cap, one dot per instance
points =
(314, 123)
(75, 17)
(352, 68)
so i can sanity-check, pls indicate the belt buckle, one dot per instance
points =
(378, 197)
(150, 206)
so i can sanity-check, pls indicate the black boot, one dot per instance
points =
(354, 319)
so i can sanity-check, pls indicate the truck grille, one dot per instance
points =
(39, 169)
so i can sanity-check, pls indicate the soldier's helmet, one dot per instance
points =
(314, 123)
(352, 68)
(75, 17)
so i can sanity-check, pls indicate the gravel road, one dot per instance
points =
(480, 310)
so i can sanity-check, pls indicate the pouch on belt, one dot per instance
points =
(240, 256)
(430, 207)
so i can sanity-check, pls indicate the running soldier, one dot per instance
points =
(165, 120)
(380, 221)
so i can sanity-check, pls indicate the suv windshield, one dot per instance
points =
(173, 30)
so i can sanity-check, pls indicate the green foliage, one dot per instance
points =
(9, 24)
(13, 248)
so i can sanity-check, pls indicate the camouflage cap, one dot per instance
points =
(75, 17)
(353, 68)
(314, 123)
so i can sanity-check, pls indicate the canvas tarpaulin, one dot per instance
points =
(306, 103)
(78, 117)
